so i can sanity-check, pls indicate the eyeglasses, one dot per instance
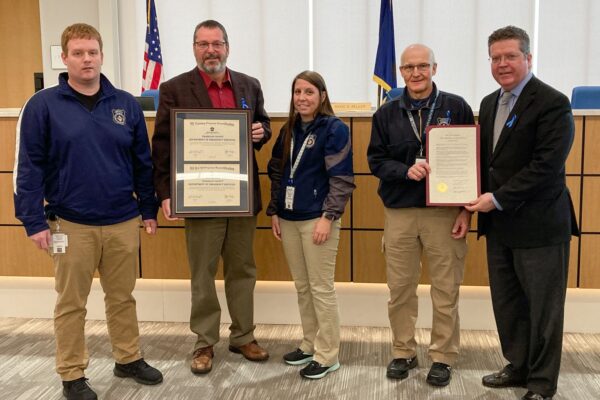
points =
(409, 68)
(215, 45)
(512, 57)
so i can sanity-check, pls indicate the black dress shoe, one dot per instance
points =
(502, 379)
(439, 374)
(398, 368)
(78, 389)
(535, 396)
(140, 371)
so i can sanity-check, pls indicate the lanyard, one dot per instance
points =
(295, 164)
(412, 120)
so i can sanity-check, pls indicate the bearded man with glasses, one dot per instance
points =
(211, 84)
(396, 156)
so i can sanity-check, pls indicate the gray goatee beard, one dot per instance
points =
(214, 69)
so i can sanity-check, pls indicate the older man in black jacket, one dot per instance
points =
(396, 156)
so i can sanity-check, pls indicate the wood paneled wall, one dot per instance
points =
(359, 258)
(21, 50)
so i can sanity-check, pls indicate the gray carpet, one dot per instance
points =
(27, 366)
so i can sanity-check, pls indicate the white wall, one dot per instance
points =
(268, 40)
(457, 31)
(569, 54)
(56, 15)
(273, 41)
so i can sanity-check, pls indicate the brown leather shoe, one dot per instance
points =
(251, 351)
(202, 360)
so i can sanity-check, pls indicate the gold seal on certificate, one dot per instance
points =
(453, 156)
(211, 163)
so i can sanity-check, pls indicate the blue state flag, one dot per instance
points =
(385, 62)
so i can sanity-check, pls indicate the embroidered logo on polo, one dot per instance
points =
(310, 141)
(118, 116)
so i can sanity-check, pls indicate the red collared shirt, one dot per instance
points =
(220, 97)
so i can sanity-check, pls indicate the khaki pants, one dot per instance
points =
(233, 239)
(113, 250)
(408, 233)
(313, 269)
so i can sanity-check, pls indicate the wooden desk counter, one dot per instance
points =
(359, 257)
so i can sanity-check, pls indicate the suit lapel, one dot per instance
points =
(516, 114)
(239, 89)
(199, 92)
(487, 114)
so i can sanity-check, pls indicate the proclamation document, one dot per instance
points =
(453, 155)
(211, 140)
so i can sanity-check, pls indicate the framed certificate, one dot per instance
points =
(211, 163)
(453, 155)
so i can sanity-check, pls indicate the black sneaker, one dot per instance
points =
(78, 389)
(398, 368)
(297, 357)
(140, 371)
(314, 370)
(439, 374)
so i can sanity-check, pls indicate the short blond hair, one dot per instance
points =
(79, 31)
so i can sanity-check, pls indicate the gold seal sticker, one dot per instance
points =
(442, 187)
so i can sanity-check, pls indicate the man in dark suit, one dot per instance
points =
(212, 85)
(526, 214)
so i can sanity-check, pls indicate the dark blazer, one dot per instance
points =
(189, 91)
(526, 170)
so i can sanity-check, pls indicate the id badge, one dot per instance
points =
(60, 241)
(289, 197)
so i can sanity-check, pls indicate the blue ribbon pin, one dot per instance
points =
(244, 104)
(511, 122)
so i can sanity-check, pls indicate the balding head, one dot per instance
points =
(418, 47)
(418, 66)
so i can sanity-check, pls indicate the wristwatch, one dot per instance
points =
(329, 216)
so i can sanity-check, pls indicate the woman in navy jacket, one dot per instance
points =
(311, 182)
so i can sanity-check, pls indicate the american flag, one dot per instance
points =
(153, 73)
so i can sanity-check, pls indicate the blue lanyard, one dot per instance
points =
(414, 126)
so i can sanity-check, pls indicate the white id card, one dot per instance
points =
(289, 197)
(420, 159)
(60, 241)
